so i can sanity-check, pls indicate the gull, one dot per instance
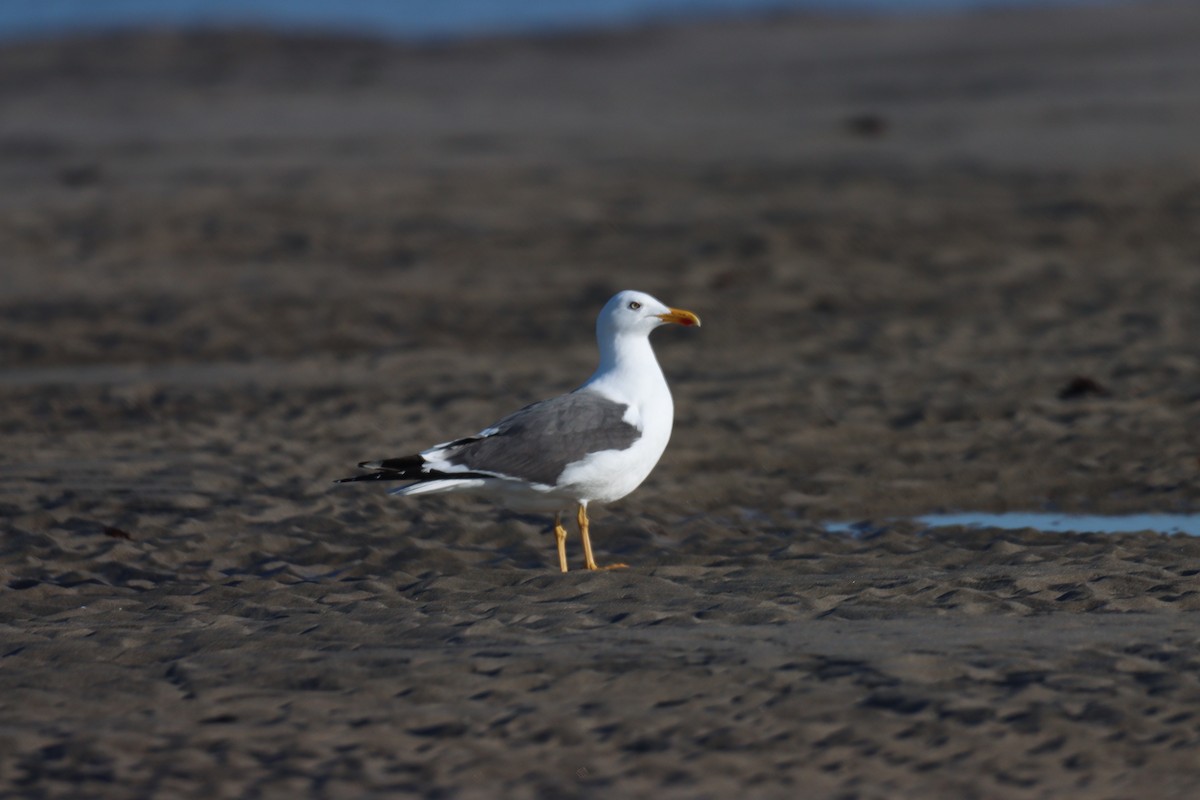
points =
(594, 444)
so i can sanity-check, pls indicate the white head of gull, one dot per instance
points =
(595, 444)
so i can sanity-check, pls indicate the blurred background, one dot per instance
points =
(415, 19)
(902, 222)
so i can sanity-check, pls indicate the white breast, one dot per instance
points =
(609, 475)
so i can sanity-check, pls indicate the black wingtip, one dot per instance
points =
(382, 475)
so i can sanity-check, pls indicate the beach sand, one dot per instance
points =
(943, 262)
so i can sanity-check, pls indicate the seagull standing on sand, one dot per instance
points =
(595, 444)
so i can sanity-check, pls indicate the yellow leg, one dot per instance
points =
(560, 533)
(588, 560)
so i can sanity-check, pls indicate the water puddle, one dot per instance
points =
(1188, 524)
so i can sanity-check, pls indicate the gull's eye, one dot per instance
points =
(634, 305)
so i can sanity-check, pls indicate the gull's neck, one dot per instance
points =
(627, 367)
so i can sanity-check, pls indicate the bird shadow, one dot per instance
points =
(536, 520)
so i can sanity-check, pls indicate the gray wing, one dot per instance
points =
(538, 442)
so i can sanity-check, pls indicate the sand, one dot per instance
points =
(942, 262)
